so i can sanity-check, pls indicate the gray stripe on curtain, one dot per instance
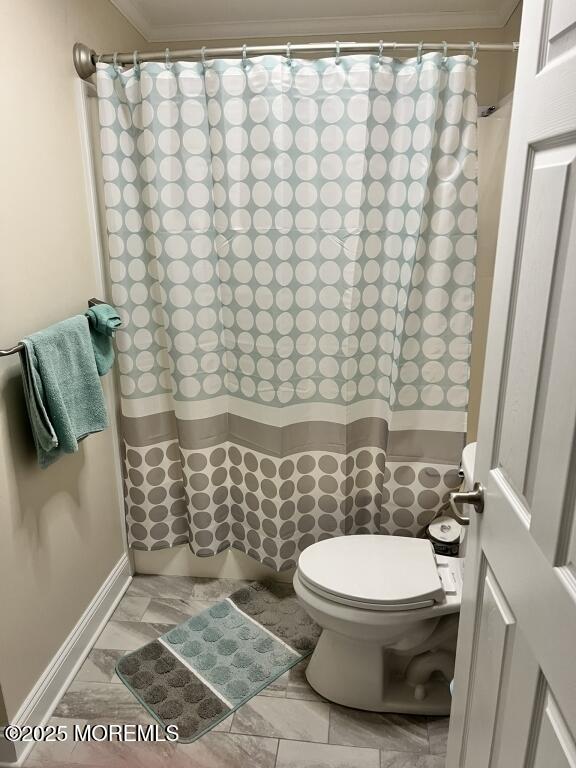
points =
(442, 447)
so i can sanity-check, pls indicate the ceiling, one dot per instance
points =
(171, 20)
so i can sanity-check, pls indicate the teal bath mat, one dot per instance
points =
(196, 674)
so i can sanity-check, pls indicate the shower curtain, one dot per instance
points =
(292, 249)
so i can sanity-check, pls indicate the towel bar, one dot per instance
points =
(20, 347)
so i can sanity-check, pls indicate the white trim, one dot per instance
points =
(263, 628)
(438, 421)
(444, 421)
(129, 9)
(86, 91)
(197, 674)
(148, 406)
(325, 26)
(43, 698)
(507, 9)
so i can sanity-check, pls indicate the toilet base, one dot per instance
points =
(364, 675)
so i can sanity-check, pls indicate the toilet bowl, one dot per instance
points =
(388, 608)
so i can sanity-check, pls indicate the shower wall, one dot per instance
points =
(492, 145)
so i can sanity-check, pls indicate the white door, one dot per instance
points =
(515, 691)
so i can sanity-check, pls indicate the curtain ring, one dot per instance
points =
(380, 51)
(444, 51)
(288, 54)
(244, 55)
(168, 62)
(135, 61)
(419, 58)
(115, 64)
(203, 57)
(337, 58)
(474, 49)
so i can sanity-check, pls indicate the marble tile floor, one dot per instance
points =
(288, 725)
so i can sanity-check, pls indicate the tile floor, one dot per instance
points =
(286, 726)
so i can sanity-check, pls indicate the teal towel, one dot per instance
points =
(43, 432)
(63, 392)
(104, 321)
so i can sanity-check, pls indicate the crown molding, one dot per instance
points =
(507, 9)
(345, 26)
(130, 10)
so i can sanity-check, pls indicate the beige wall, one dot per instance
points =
(60, 532)
(508, 72)
(492, 145)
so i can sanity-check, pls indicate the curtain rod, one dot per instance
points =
(85, 58)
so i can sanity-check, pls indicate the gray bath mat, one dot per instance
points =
(196, 674)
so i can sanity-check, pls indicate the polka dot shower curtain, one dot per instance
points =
(292, 248)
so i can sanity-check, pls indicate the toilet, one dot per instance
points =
(388, 608)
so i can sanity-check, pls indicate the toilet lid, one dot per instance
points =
(387, 571)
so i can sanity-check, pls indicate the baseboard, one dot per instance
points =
(43, 698)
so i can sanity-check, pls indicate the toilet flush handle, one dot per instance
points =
(474, 497)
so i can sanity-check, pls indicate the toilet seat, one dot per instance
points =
(379, 573)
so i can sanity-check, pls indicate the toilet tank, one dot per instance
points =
(468, 461)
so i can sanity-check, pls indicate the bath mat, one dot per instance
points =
(199, 672)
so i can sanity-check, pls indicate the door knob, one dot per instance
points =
(474, 497)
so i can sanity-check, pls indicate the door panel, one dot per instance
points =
(495, 630)
(535, 269)
(550, 484)
(515, 688)
(561, 32)
(555, 746)
(543, 601)
(569, 570)
(518, 705)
